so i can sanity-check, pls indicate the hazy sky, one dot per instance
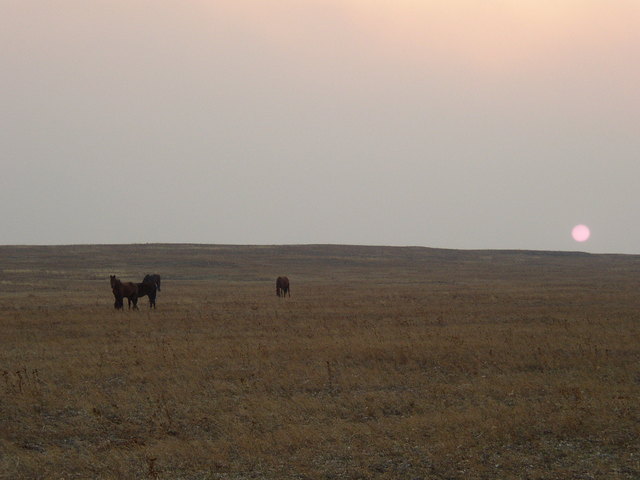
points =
(441, 123)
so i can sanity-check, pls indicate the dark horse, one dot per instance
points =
(152, 278)
(148, 289)
(124, 290)
(282, 286)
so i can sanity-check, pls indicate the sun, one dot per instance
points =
(581, 233)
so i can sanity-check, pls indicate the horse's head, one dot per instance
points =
(113, 280)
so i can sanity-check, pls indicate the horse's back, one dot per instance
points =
(152, 278)
(130, 287)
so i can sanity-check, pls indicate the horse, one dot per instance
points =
(152, 278)
(148, 289)
(282, 287)
(128, 290)
(116, 293)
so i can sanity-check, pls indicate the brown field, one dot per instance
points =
(392, 363)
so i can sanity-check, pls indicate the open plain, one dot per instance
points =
(392, 363)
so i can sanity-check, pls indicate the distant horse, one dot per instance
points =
(152, 278)
(282, 286)
(116, 293)
(148, 289)
(124, 290)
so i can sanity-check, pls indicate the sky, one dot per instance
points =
(471, 124)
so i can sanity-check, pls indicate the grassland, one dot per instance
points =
(388, 363)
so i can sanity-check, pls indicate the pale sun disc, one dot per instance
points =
(581, 233)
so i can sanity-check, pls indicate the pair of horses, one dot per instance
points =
(132, 291)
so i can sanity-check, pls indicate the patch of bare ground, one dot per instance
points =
(384, 363)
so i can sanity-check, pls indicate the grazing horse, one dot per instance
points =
(152, 278)
(282, 286)
(124, 290)
(148, 289)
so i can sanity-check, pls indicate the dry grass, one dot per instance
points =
(385, 363)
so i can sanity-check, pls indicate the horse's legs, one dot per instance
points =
(117, 304)
(133, 300)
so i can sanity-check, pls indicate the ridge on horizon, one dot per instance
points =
(320, 245)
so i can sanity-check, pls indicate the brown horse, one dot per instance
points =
(124, 290)
(148, 289)
(152, 278)
(282, 286)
